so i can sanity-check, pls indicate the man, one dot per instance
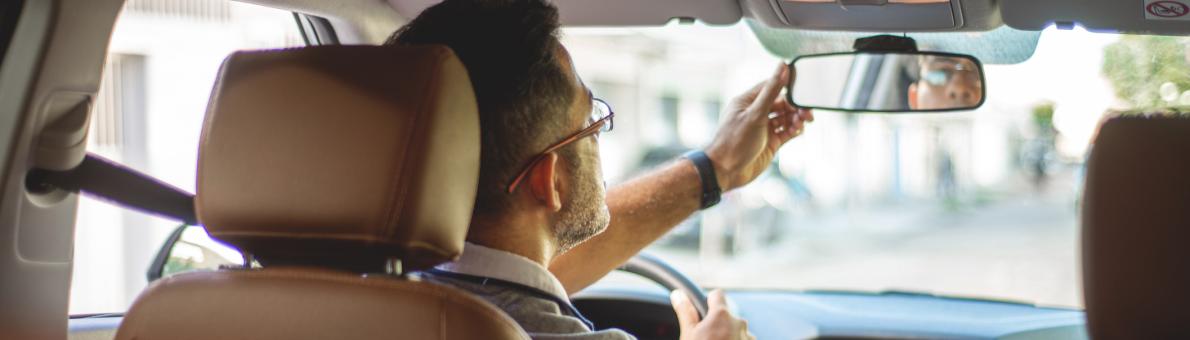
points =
(946, 83)
(541, 199)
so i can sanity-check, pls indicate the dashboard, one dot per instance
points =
(645, 312)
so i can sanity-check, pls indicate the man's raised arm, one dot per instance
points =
(645, 208)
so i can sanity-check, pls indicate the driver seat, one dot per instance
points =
(1136, 223)
(334, 168)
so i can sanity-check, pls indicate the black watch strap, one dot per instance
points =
(706, 174)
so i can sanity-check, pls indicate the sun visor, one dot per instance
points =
(927, 15)
(1000, 46)
(1168, 17)
(876, 15)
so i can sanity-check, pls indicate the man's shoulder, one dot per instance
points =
(524, 307)
(503, 297)
(542, 318)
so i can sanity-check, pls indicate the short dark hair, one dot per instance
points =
(511, 51)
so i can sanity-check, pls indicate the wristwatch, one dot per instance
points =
(711, 193)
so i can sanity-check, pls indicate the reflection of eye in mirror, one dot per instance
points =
(935, 77)
(888, 82)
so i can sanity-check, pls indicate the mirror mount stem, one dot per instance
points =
(886, 43)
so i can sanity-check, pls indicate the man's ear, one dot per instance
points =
(543, 180)
(913, 96)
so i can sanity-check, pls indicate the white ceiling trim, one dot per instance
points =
(619, 12)
(1094, 15)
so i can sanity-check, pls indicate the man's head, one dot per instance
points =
(946, 83)
(529, 98)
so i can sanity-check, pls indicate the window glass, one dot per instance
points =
(163, 58)
(972, 204)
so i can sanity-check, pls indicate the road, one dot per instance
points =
(1019, 249)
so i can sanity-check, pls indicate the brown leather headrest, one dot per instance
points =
(341, 153)
(1136, 229)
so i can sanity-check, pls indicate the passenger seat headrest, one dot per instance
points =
(341, 155)
(1136, 229)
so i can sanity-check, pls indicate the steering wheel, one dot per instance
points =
(653, 268)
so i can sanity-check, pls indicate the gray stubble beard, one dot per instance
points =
(584, 215)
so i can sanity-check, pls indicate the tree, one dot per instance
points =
(1043, 117)
(1138, 65)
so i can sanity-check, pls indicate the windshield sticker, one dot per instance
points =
(1166, 10)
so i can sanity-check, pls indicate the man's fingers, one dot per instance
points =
(786, 75)
(781, 108)
(781, 111)
(799, 126)
(792, 80)
(770, 89)
(787, 122)
(782, 123)
(791, 128)
(716, 300)
(743, 329)
(787, 106)
(687, 315)
(745, 99)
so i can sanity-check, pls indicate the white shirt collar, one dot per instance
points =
(493, 263)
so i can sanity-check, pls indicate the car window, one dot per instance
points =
(163, 58)
(972, 204)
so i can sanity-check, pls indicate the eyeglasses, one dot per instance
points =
(940, 73)
(600, 122)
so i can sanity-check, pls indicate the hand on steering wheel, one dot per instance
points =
(719, 324)
(652, 268)
(699, 317)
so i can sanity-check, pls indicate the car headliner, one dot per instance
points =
(976, 15)
(368, 21)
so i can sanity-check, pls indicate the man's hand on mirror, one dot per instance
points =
(757, 124)
(643, 209)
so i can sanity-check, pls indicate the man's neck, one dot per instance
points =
(526, 236)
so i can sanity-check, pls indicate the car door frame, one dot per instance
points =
(50, 72)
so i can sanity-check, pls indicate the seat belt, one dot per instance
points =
(109, 181)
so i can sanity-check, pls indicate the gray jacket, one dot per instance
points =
(538, 314)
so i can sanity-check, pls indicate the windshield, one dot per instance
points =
(975, 204)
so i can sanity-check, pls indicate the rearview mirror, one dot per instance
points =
(887, 82)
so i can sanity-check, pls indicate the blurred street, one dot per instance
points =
(1020, 247)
